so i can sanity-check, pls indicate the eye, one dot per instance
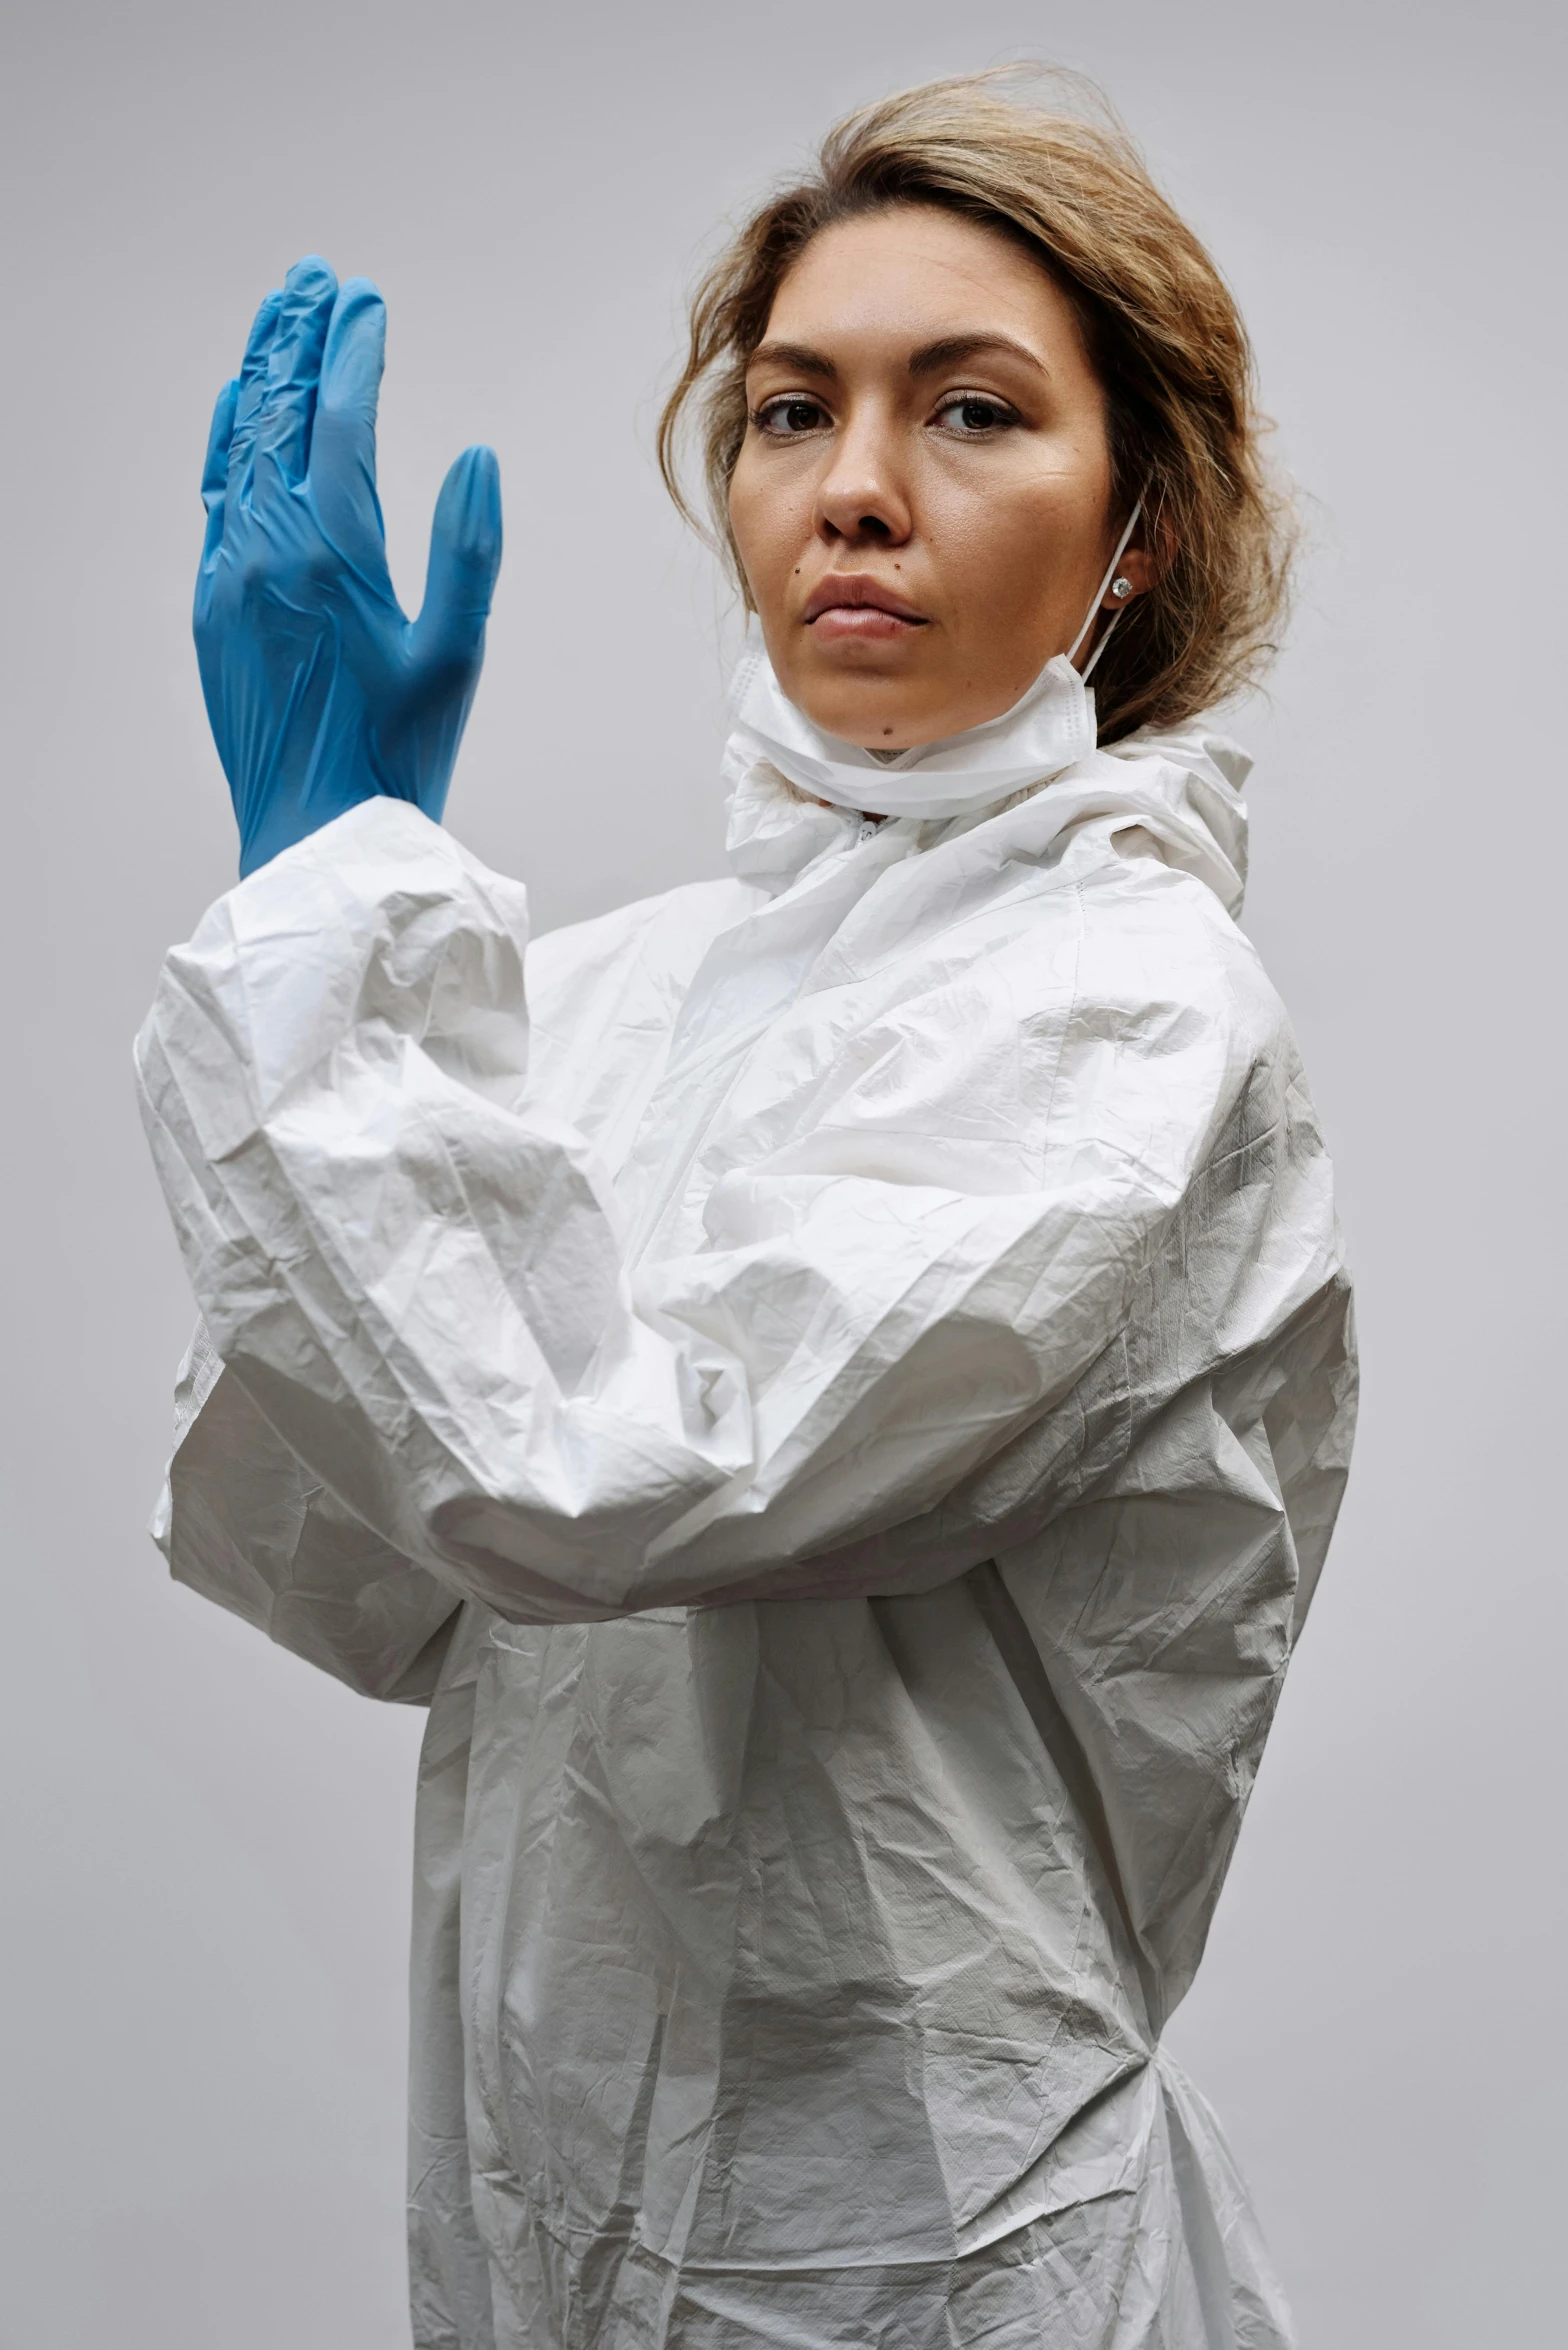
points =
(790, 415)
(973, 415)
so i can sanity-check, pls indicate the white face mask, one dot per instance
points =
(1050, 727)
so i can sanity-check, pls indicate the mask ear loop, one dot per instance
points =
(1099, 597)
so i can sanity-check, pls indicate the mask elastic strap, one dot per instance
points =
(1099, 596)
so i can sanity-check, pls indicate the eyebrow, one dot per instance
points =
(951, 349)
(797, 356)
(947, 351)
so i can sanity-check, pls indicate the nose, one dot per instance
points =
(862, 500)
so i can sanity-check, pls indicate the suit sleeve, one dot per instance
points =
(244, 1523)
(420, 1280)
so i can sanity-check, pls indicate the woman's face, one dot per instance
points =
(922, 501)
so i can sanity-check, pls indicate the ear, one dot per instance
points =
(1140, 564)
(1137, 567)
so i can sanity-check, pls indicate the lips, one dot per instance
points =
(854, 604)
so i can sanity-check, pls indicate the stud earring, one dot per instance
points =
(1121, 589)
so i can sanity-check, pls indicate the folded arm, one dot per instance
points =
(420, 1278)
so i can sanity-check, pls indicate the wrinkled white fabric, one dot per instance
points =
(836, 1384)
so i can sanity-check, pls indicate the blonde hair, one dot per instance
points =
(1159, 323)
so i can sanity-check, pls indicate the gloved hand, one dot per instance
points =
(320, 692)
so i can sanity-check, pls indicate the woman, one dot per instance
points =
(834, 1384)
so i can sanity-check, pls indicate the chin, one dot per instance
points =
(880, 725)
(862, 710)
(875, 727)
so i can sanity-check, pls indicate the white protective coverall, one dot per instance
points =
(835, 1385)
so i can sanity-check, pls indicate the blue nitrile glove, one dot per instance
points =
(320, 692)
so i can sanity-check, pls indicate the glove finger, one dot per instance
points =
(465, 556)
(215, 473)
(247, 407)
(355, 355)
(288, 403)
(343, 438)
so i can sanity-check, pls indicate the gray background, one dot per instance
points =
(205, 1847)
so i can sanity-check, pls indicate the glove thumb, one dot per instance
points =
(465, 556)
